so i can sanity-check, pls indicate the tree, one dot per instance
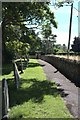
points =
(17, 49)
(58, 48)
(76, 44)
(46, 30)
(60, 3)
(18, 17)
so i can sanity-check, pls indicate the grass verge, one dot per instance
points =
(36, 97)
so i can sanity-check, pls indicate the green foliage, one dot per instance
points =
(76, 45)
(46, 30)
(58, 48)
(48, 43)
(17, 19)
(60, 3)
(14, 16)
(17, 48)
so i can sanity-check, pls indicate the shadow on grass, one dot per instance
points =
(7, 68)
(27, 65)
(35, 65)
(34, 90)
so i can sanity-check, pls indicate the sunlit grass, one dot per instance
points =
(34, 70)
(36, 97)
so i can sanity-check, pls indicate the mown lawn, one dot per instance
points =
(36, 97)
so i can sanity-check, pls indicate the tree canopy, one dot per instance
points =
(76, 44)
(19, 21)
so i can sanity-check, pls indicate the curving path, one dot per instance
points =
(72, 98)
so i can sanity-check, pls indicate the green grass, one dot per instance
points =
(36, 97)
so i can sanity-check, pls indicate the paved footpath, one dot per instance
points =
(72, 100)
(0, 100)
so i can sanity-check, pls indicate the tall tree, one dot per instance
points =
(18, 20)
(76, 44)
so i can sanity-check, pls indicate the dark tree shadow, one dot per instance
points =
(25, 65)
(56, 71)
(22, 65)
(7, 68)
(35, 91)
(34, 65)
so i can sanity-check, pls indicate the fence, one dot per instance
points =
(16, 75)
(5, 99)
(4, 88)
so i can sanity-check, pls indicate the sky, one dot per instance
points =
(79, 19)
(62, 16)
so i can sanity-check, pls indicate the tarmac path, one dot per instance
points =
(72, 98)
(0, 100)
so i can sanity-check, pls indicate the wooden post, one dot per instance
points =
(21, 66)
(5, 99)
(16, 75)
(70, 29)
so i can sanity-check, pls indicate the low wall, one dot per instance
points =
(70, 68)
